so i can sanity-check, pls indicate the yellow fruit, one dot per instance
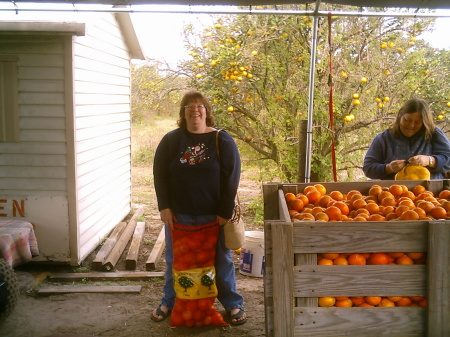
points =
(348, 118)
(413, 172)
(356, 102)
(343, 74)
(199, 75)
(383, 45)
(440, 117)
(448, 104)
(326, 301)
(218, 25)
(378, 100)
(200, 65)
(355, 96)
(387, 99)
(391, 44)
(363, 79)
(255, 52)
(230, 109)
(399, 50)
(214, 63)
(387, 72)
(380, 105)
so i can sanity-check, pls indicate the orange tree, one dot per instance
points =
(256, 70)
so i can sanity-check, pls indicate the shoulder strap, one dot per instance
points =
(217, 144)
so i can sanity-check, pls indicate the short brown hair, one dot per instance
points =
(411, 106)
(190, 96)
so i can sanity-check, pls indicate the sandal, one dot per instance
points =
(161, 313)
(237, 319)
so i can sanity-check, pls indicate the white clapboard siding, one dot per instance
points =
(37, 86)
(46, 160)
(34, 172)
(48, 110)
(33, 185)
(30, 123)
(43, 135)
(36, 148)
(103, 131)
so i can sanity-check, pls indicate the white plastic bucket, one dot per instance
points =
(252, 259)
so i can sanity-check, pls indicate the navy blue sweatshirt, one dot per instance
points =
(386, 147)
(188, 177)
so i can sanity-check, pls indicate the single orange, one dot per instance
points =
(375, 190)
(446, 205)
(306, 217)
(308, 189)
(388, 201)
(322, 216)
(378, 258)
(372, 208)
(387, 209)
(337, 195)
(444, 194)
(401, 209)
(345, 210)
(391, 216)
(386, 303)
(324, 200)
(405, 259)
(409, 215)
(426, 206)
(438, 213)
(406, 202)
(334, 213)
(341, 261)
(421, 212)
(356, 259)
(351, 193)
(417, 298)
(396, 255)
(396, 190)
(418, 189)
(296, 204)
(344, 303)
(359, 218)
(423, 303)
(303, 198)
(372, 300)
(385, 194)
(365, 305)
(376, 217)
(289, 196)
(357, 300)
(321, 189)
(394, 298)
(371, 198)
(313, 196)
(317, 209)
(326, 301)
(404, 302)
(325, 262)
(409, 195)
(415, 256)
(330, 256)
(359, 203)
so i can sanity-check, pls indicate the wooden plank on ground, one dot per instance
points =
(107, 246)
(135, 275)
(53, 290)
(120, 245)
(157, 251)
(133, 251)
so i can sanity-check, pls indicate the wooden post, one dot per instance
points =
(100, 258)
(157, 250)
(283, 279)
(438, 279)
(133, 252)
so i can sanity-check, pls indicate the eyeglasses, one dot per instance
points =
(193, 107)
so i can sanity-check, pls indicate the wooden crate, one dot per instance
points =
(293, 278)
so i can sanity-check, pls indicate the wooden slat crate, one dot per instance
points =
(296, 281)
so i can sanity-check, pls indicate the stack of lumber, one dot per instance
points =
(115, 245)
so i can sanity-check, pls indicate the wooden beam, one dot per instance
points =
(135, 275)
(133, 251)
(50, 290)
(157, 250)
(107, 246)
(120, 245)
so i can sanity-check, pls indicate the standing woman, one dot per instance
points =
(414, 139)
(194, 188)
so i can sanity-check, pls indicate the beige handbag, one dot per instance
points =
(234, 229)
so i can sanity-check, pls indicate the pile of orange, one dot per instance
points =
(344, 259)
(373, 301)
(395, 202)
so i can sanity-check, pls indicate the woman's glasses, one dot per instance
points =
(193, 107)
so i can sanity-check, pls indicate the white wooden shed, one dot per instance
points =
(65, 129)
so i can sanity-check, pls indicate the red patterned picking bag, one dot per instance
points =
(194, 276)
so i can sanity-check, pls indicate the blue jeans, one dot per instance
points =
(225, 273)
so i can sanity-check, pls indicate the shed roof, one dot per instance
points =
(431, 4)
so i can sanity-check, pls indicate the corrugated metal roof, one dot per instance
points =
(423, 4)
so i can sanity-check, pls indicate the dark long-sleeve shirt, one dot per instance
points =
(188, 177)
(386, 147)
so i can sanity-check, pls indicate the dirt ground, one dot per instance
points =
(124, 315)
